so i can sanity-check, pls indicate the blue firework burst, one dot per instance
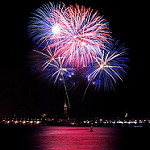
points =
(109, 67)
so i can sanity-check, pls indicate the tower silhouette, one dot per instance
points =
(65, 109)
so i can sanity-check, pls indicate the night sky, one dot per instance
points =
(22, 93)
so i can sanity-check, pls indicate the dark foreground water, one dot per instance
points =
(74, 138)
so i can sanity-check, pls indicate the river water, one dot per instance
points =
(73, 138)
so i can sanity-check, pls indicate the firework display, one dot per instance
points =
(74, 33)
(109, 67)
(73, 38)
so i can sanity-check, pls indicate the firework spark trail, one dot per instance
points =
(85, 32)
(74, 33)
(108, 68)
(54, 69)
(42, 23)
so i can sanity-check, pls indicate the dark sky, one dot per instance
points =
(22, 93)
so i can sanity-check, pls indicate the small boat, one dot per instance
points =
(91, 129)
